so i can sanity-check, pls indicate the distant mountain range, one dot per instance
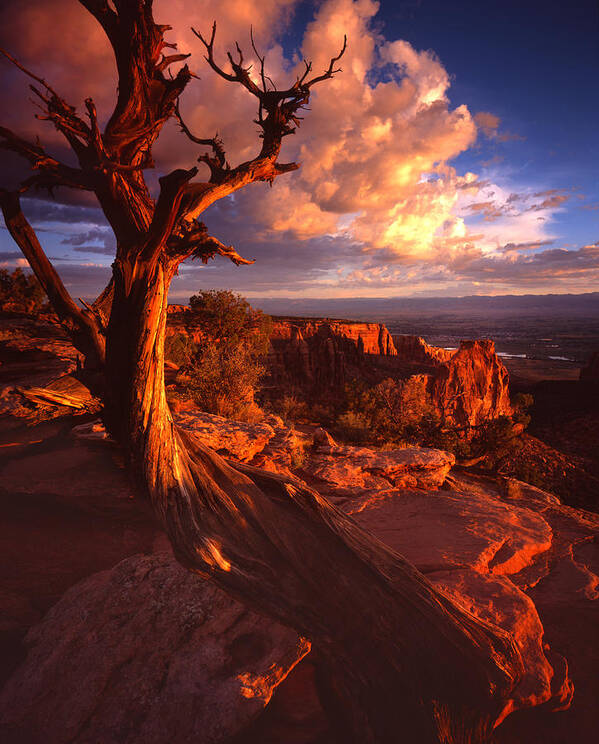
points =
(380, 308)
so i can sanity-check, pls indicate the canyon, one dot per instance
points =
(90, 584)
(317, 357)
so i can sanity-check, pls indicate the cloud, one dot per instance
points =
(529, 246)
(471, 270)
(10, 255)
(378, 201)
(488, 123)
(97, 240)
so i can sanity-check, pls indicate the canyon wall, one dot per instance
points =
(472, 386)
(415, 350)
(318, 357)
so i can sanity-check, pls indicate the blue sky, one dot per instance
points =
(456, 154)
(535, 65)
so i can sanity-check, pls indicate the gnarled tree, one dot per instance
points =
(396, 659)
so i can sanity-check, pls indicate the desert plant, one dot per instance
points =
(224, 367)
(21, 292)
(394, 411)
(179, 349)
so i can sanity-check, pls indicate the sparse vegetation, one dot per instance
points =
(21, 292)
(394, 411)
(221, 370)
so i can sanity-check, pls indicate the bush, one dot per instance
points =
(394, 411)
(21, 292)
(223, 369)
(180, 349)
(290, 408)
(355, 427)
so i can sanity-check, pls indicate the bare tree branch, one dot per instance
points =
(217, 163)
(52, 172)
(277, 117)
(166, 212)
(82, 325)
(197, 243)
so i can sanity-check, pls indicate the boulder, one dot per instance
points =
(228, 437)
(359, 467)
(145, 653)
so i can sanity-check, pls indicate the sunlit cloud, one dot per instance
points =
(379, 202)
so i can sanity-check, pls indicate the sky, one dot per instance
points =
(455, 154)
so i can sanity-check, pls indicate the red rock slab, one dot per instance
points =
(361, 467)
(451, 529)
(234, 438)
(145, 653)
(496, 600)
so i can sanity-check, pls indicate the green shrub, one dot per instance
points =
(394, 411)
(179, 349)
(223, 369)
(21, 292)
(290, 408)
(355, 427)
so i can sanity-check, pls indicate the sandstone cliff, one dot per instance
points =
(415, 350)
(323, 354)
(319, 356)
(472, 386)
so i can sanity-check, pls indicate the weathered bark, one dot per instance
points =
(81, 324)
(396, 658)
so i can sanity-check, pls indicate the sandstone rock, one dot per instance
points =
(320, 354)
(146, 653)
(472, 387)
(466, 387)
(368, 338)
(496, 600)
(439, 530)
(323, 438)
(472, 545)
(359, 467)
(414, 350)
(231, 438)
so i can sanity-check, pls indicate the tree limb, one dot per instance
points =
(277, 117)
(197, 243)
(83, 326)
(166, 212)
(218, 162)
(52, 172)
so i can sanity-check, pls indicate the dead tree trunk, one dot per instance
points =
(397, 659)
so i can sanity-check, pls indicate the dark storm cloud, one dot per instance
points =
(43, 211)
(96, 240)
